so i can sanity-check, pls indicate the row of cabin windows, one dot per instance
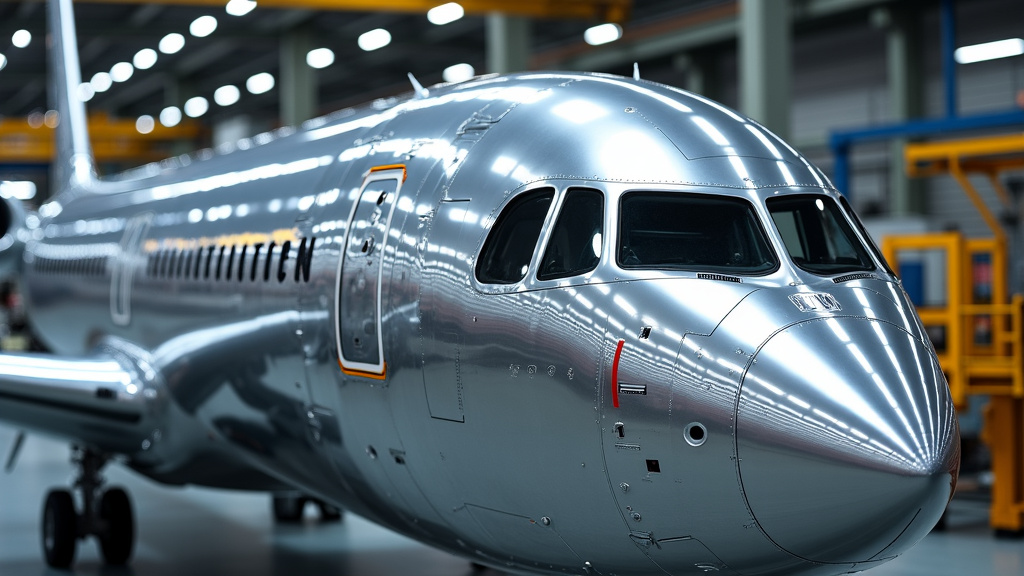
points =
(233, 262)
(93, 267)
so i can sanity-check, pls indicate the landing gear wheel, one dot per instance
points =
(288, 509)
(328, 512)
(118, 537)
(60, 529)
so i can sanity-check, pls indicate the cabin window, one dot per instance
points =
(509, 247)
(676, 231)
(575, 243)
(817, 236)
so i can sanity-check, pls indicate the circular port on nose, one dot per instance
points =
(695, 433)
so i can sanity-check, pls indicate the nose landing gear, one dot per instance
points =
(106, 514)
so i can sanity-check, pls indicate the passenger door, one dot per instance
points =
(360, 344)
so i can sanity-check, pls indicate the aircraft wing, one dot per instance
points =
(98, 401)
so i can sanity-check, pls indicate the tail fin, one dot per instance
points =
(74, 167)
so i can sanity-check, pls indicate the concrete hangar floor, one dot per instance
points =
(203, 532)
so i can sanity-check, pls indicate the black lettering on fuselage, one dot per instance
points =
(270, 260)
(255, 259)
(209, 258)
(305, 260)
(220, 262)
(231, 264)
(286, 249)
(241, 262)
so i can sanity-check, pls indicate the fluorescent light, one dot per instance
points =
(602, 34)
(170, 116)
(445, 13)
(145, 58)
(320, 58)
(458, 72)
(259, 83)
(171, 43)
(989, 51)
(239, 7)
(18, 189)
(226, 95)
(121, 71)
(196, 107)
(374, 39)
(145, 124)
(21, 38)
(85, 92)
(203, 26)
(3, 61)
(101, 82)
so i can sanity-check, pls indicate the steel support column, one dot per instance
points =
(766, 63)
(903, 62)
(298, 80)
(508, 43)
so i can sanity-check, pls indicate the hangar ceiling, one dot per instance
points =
(113, 31)
(241, 46)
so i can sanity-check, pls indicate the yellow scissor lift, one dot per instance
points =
(977, 332)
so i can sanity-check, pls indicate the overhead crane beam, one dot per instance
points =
(596, 10)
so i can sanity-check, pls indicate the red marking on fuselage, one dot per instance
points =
(615, 374)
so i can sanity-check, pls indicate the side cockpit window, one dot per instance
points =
(701, 232)
(505, 258)
(864, 234)
(575, 244)
(817, 236)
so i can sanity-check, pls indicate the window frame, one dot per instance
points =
(841, 216)
(551, 223)
(542, 234)
(753, 210)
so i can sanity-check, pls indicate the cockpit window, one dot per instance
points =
(692, 232)
(864, 234)
(817, 236)
(575, 244)
(509, 247)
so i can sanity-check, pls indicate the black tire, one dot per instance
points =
(60, 529)
(288, 509)
(329, 512)
(118, 536)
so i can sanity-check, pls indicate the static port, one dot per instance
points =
(695, 434)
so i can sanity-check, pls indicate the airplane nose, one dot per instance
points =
(847, 440)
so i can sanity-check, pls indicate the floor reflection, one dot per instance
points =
(218, 533)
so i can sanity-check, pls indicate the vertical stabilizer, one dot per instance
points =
(73, 167)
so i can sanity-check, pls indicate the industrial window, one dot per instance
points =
(703, 232)
(509, 247)
(817, 236)
(575, 243)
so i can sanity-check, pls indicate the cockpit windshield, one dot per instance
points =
(817, 236)
(692, 232)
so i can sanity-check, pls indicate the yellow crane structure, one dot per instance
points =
(113, 140)
(978, 332)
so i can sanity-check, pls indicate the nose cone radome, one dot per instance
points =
(847, 440)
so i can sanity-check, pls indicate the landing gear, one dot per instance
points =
(106, 514)
(60, 529)
(289, 507)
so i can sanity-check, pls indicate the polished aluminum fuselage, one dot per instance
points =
(494, 427)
